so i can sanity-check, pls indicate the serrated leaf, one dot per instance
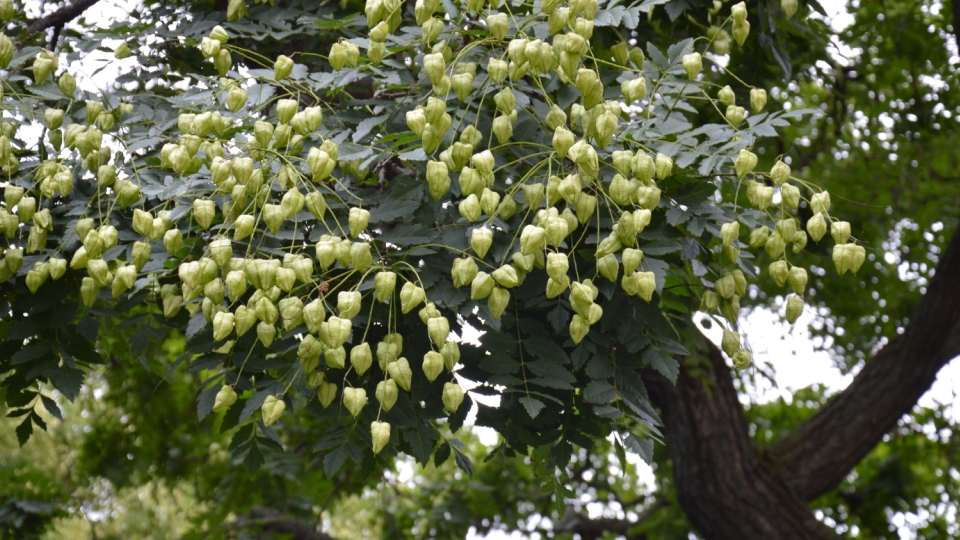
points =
(395, 208)
(24, 430)
(600, 391)
(51, 407)
(334, 460)
(421, 439)
(665, 364)
(253, 460)
(532, 405)
(463, 461)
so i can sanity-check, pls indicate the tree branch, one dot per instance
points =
(591, 529)
(726, 488)
(815, 457)
(270, 520)
(61, 17)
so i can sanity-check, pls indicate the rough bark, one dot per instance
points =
(730, 489)
(723, 484)
(270, 520)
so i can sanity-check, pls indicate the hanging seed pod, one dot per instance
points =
(432, 365)
(794, 308)
(464, 270)
(730, 343)
(817, 227)
(789, 7)
(387, 393)
(481, 286)
(498, 301)
(399, 370)
(354, 400)
(451, 354)
(692, 64)
(411, 296)
(335, 358)
(452, 396)
(742, 359)
(361, 359)
(758, 99)
(226, 397)
(839, 230)
(745, 163)
(848, 257)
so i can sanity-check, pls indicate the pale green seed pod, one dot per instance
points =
(709, 302)
(730, 232)
(335, 331)
(797, 278)
(740, 31)
(779, 271)
(609, 267)
(237, 10)
(236, 99)
(481, 286)
(745, 163)
(480, 241)
(742, 359)
(358, 220)
(758, 99)
(735, 115)
(497, 70)
(470, 208)
(314, 315)
(348, 304)
(335, 358)
(282, 68)
(634, 89)
(464, 270)
(506, 276)
(432, 365)
(497, 301)
(451, 354)
(840, 231)
(385, 283)
(848, 257)
(775, 245)
(789, 7)
(730, 343)
(790, 195)
(726, 96)
(326, 393)
(557, 266)
(387, 393)
(354, 400)
(286, 108)
(646, 285)
(820, 203)
(794, 308)
(579, 328)
(692, 63)
(411, 296)
(226, 397)
(817, 227)
(503, 128)
(452, 396)
(399, 370)
(223, 62)
(664, 166)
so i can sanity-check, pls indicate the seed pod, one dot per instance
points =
(794, 308)
(452, 396)
(740, 31)
(726, 96)
(746, 162)
(236, 99)
(204, 211)
(223, 62)
(313, 315)
(222, 325)
(89, 291)
(789, 7)
(432, 365)
(335, 331)
(610, 244)
(820, 203)
(742, 359)
(282, 68)
(140, 255)
(358, 220)
(489, 201)
(848, 257)
(532, 239)
(498, 301)
(326, 393)
(173, 241)
(335, 358)
(758, 99)
(557, 266)
(434, 66)
(387, 394)
(710, 301)
(787, 228)
(399, 371)
(411, 296)
(348, 304)
(464, 270)
(225, 398)
(506, 276)
(634, 89)
(730, 232)
(664, 166)
(817, 227)
(470, 208)
(439, 329)
(481, 286)
(839, 230)
(503, 128)
(790, 195)
(779, 271)
(692, 63)
(730, 343)
(775, 245)
(578, 328)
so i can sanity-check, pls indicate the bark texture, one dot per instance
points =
(730, 489)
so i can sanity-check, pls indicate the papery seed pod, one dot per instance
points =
(226, 397)
(506, 276)
(313, 315)
(124, 279)
(758, 99)
(742, 359)
(411, 296)
(481, 286)
(664, 166)
(789, 7)
(470, 208)
(579, 328)
(399, 370)
(361, 359)
(387, 394)
(503, 128)
(839, 230)
(348, 304)
(223, 62)
(779, 270)
(222, 325)
(498, 301)
(236, 99)
(452, 396)
(480, 241)
(385, 283)
(358, 220)
(335, 331)
(557, 266)
(335, 358)
(848, 257)
(692, 63)
(563, 140)
(817, 227)
(451, 354)
(790, 195)
(286, 108)
(780, 173)
(726, 96)
(609, 267)
(820, 203)
(354, 400)
(326, 393)
(797, 279)
(794, 308)
(439, 329)
(746, 162)
(730, 232)
(432, 365)
(282, 68)
(787, 228)
(464, 270)
(489, 201)
(730, 343)
(726, 286)
(740, 31)
(775, 245)
(236, 284)
(610, 244)
(634, 89)
(173, 241)
(709, 302)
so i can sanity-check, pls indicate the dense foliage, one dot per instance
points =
(271, 197)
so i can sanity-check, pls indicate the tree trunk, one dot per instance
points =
(730, 489)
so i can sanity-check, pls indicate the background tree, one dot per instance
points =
(722, 482)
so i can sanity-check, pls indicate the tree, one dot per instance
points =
(453, 144)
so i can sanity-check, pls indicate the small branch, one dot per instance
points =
(591, 529)
(59, 18)
(270, 520)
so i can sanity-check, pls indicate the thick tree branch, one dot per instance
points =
(955, 4)
(61, 17)
(270, 520)
(726, 488)
(591, 529)
(816, 456)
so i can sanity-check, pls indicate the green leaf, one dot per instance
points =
(600, 391)
(532, 405)
(24, 430)
(406, 235)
